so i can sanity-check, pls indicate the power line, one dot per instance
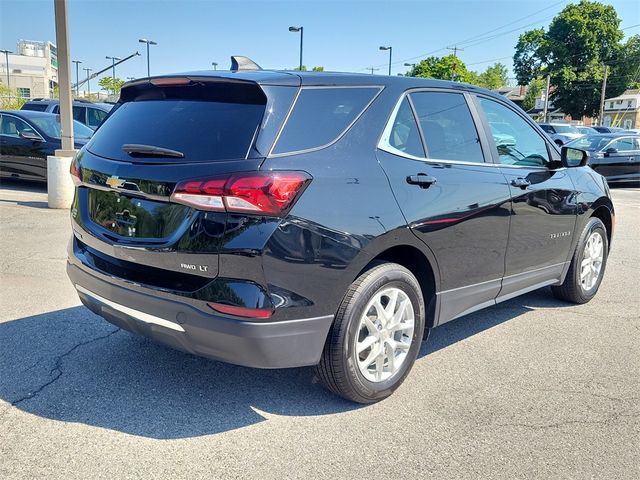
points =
(480, 38)
(511, 23)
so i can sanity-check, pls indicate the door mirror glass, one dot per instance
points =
(573, 157)
(29, 135)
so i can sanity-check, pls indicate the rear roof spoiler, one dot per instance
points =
(239, 62)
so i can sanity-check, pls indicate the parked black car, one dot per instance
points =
(88, 113)
(616, 156)
(281, 219)
(607, 129)
(27, 138)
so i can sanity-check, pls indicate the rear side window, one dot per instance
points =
(95, 117)
(448, 127)
(205, 123)
(79, 114)
(36, 107)
(321, 115)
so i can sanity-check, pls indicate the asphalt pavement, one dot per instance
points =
(531, 388)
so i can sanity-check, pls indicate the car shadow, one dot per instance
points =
(26, 204)
(70, 365)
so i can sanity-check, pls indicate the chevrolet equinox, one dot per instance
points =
(281, 219)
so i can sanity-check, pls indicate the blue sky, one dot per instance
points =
(341, 36)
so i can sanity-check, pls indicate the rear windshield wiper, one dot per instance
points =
(135, 149)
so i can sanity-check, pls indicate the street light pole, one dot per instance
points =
(113, 65)
(390, 52)
(77, 62)
(148, 42)
(301, 30)
(113, 72)
(88, 80)
(413, 67)
(215, 65)
(6, 58)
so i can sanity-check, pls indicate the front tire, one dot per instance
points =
(587, 265)
(376, 335)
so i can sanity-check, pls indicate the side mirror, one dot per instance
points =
(27, 135)
(610, 151)
(573, 157)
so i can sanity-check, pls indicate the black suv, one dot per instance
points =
(279, 219)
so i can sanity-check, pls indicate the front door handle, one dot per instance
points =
(421, 179)
(520, 182)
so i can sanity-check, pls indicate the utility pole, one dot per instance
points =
(372, 69)
(6, 57)
(546, 99)
(602, 95)
(455, 49)
(77, 62)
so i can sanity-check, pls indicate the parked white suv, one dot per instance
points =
(561, 133)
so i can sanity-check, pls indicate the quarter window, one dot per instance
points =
(517, 142)
(404, 134)
(321, 115)
(447, 126)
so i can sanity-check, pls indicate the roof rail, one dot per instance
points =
(239, 62)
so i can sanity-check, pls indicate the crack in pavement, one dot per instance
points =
(543, 426)
(57, 369)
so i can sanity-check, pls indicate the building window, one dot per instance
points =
(629, 103)
(610, 104)
(24, 92)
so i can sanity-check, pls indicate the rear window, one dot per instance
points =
(204, 123)
(321, 115)
(36, 107)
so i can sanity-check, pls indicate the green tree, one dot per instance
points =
(533, 92)
(495, 76)
(448, 67)
(9, 98)
(113, 85)
(573, 51)
(313, 69)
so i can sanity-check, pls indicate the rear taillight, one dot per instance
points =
(266, 193)
(76, 174)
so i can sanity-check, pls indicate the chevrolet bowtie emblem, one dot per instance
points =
(114, 182)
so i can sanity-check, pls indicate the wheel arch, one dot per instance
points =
(606, 216)
(423, 266)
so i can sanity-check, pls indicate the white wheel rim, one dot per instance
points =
(591, 264)
(384, 335)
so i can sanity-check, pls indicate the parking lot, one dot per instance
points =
(530, 388)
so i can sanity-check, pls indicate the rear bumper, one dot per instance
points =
(290, 343)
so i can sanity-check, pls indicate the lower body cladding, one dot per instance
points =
(260, 344)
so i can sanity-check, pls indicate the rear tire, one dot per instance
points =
(587, 265)
(376, 335)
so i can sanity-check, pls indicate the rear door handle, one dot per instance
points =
(520, 182)
(422, 180)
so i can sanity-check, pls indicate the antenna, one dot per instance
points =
(239, 62)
